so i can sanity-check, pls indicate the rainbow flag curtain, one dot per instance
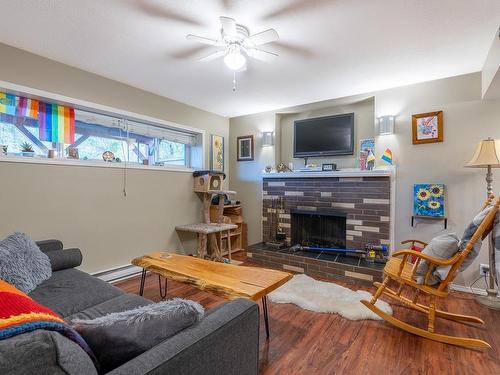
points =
(18, 106)
(56, 123)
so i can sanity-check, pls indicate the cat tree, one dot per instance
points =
(207, 184)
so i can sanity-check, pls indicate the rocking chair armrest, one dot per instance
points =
(436, 261)
(414, 241)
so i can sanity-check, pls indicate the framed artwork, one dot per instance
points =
(427, 127)
(428, 200)
(245, 147)
(217, 153)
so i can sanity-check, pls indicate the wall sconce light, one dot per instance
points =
(267, 139)
(385, 125)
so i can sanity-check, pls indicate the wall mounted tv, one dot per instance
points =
(324, 136)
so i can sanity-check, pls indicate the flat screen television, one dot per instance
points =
(324, 136)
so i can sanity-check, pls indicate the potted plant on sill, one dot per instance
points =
(27, 149)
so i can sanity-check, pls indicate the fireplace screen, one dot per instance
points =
(323, 230)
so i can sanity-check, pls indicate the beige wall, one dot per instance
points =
(467, 120)
(84, 206)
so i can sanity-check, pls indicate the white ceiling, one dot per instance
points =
(328, 48)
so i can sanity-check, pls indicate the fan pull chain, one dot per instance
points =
(234, 81)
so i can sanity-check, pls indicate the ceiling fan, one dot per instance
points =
(236, 44)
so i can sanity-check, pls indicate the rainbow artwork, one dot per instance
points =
(56, 123)
(387, 156)
(18, 106)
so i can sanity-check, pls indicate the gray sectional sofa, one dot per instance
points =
(224, 342)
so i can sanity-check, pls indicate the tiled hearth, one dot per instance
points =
(319, 264)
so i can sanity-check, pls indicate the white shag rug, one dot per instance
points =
(325, 297)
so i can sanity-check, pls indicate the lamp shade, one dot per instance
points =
(487, 154)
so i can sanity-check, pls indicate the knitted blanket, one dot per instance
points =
(20, 314)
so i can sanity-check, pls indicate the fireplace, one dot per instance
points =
(321, 229)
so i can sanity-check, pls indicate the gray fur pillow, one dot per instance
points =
(22, 263)
(118, 337)
(442, 247)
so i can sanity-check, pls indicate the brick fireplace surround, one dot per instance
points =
(363, 197)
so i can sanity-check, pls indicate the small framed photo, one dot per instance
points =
(217, 153)
(427, 127)
(245, 147)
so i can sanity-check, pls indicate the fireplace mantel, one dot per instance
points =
(382, 172)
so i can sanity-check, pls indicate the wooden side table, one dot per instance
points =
(203, 230)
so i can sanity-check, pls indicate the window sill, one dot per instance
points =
(91, 163)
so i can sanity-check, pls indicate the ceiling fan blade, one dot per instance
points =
(201, 39)
(228, 26)
(214, 55)
(260, 54)
(264, 37)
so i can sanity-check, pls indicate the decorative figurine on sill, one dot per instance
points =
(73, 153)
(108, 156)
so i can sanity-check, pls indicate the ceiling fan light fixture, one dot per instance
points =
(234, 59)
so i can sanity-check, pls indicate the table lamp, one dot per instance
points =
(487, 155)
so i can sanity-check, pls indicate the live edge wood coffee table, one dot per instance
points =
(225, 280)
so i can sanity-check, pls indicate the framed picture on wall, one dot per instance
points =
(427, 127)
(217, 153)
(245, 148)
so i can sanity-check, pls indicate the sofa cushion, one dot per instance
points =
(118, 337)
(22, 264)
(43, 352)
(70, 291)
(120, 303)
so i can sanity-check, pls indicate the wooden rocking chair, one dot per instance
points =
(402, 271)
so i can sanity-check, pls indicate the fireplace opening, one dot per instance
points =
(326, 229)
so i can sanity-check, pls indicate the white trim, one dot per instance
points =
(92, 163)
(118, 273)
(466, 289)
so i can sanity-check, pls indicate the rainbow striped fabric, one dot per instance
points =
(20, 314)
(56, 123)
(387, 156)
(18, 106)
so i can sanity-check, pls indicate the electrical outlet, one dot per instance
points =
(484, 269)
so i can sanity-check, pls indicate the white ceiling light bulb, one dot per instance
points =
(234, 59)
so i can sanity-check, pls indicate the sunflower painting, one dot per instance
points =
(428, 200)
(217, 153)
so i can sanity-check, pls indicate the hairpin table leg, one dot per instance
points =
(266, 315)
(162, 294)
(143, 280)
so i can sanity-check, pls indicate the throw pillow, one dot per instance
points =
(22, 263)
(468, 233)
(442, 247)
(118, 337)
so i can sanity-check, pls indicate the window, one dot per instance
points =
(95, 135)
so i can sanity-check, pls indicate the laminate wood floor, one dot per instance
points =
(304, 342)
